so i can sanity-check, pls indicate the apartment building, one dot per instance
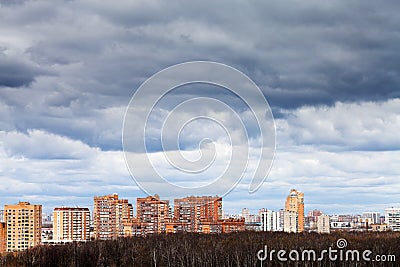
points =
(290, 224)
(270, 221)
(71, 224)
(392, 218)
(109, 212)
(191, 213)
(323, 224)
(152, 213)
(3, 237)
(23, 223)
(295, 203)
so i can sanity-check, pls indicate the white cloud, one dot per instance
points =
(352, 126)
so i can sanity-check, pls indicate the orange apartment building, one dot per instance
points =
(152, 214)
(3, 237)
(23, 225)
(71, 224)
(109, 213)
(191, 214)
(197, 214)
(295, 204)
(232, 225)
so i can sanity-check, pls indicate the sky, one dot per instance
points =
(330, 71)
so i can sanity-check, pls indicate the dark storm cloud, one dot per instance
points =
(299, 53)
(16, 73)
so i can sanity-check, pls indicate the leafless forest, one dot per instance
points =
(187, 249)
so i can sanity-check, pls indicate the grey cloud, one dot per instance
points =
(300, 53)
(14, 72)
(77, 63)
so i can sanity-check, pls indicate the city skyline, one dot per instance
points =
(250, 211)
(24, 225)
(329, 71)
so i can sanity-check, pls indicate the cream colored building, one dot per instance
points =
(290, 222)
(323, 224)
(24, 226)
(71, 224)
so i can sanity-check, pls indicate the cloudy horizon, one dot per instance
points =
(329, 71)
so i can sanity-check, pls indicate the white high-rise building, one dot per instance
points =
(270, 221)
(392, 218)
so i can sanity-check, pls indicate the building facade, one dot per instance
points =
(109, 213)
(152, 214)
(23, 224)
(323, 224)
(191, 213)
(373, 216)
(71, 224)
(3, 237)
(290, 224)
(270, 221)
(392, 218)
(295, 203)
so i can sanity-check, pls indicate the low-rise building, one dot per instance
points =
(379, 227)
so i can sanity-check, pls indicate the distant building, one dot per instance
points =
(373, 216)
(392, 218)
(71, 224)
(3, 237)
(270, 221)
(314, 213)
(310, 221)
(23, 223)
(281, 218)
(379, 227)
(152, 213)
(246, 214)
(290, 224)
(202, 214)
(193, 212)
(340, 226)
(108, 215)
(47, 234)
(364, 223)
(295, 203)
(232, 225)
(323, 224)
(1, 215)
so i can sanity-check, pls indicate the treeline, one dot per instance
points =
(189, 249)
